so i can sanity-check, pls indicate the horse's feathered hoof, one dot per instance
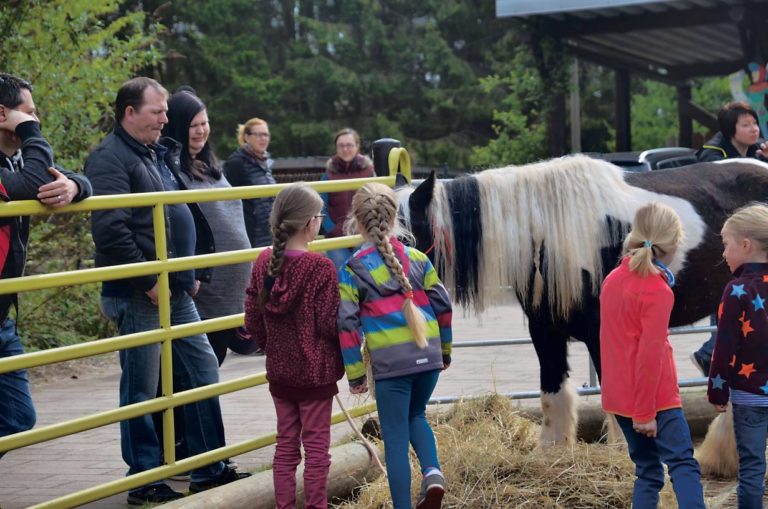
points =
(560, 419)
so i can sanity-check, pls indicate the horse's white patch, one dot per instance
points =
(743, 160)
(403, 194)
(693, 225)
(550, 216)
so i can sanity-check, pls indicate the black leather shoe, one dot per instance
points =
(701, 363)
(226, 477)
(154, 494)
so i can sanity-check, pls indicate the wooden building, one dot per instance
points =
(671, 41)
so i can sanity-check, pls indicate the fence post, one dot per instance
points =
(380, 150)
(166, 347)
(592, 374)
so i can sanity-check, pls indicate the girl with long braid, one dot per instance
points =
(290, 308)
(391, 295)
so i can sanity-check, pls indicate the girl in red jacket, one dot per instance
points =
(290, 308)
(739, 369)
(639, 378)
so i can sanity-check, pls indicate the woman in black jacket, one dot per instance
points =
(250, 165)
(739, 134)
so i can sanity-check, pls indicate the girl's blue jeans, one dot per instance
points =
(402, 403)
(750, 423)
(673, 447)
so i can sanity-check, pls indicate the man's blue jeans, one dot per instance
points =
(194, 365)
(671, 446)
(750, 423)
(707, 347)
(17, 413)
(402, 403)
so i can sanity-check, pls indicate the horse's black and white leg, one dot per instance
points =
(558, 398)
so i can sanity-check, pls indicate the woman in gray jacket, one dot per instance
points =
(225, 293)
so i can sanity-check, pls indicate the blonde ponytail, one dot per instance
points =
(656, 231)
(641, 260)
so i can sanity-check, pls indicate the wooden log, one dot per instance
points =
(351, 466)
(698, 412)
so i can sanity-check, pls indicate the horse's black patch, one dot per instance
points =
(464, 201)
(418, 203)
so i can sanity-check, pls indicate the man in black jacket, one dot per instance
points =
(26, 173)
(130, 160)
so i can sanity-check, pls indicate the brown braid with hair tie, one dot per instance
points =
(281, 236)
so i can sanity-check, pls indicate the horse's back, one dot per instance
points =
(728, 184)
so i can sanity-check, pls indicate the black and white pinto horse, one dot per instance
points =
(549, 232)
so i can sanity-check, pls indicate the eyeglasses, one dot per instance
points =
(346, 146)
(259, 135)
(319, 215)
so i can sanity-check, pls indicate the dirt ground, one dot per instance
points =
(73, 369)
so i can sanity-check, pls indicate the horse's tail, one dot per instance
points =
(717, 453)
(611, 430)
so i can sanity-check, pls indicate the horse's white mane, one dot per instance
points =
(554, 210)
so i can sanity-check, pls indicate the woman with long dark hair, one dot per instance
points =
(200, 169)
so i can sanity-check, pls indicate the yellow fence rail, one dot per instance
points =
(398, 161)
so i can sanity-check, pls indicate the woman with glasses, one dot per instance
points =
(348, 163)
(250, 165)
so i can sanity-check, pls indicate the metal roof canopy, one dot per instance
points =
(669, 40)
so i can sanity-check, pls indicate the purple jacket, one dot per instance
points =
(297, 328)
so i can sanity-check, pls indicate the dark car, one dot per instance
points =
(653, 159)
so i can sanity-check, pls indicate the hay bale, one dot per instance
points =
(490, 458)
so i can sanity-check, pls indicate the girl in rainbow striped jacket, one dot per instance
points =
(392, 295)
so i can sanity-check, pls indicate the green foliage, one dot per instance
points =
(597, 95)
(389, 69)
(76, 53)
(654, 115)
(712, 93)
(654, 110)
(68, 315)
(518, 122)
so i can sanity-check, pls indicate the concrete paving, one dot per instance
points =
(45, 471)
